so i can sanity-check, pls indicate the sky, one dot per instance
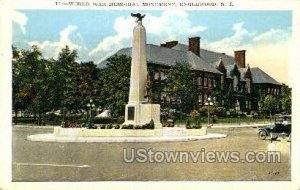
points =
(97, 34)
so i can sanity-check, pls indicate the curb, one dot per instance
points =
(35, 126)
(52, 138)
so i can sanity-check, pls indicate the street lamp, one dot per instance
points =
(91, 106)
(208, 103)
(238, 108)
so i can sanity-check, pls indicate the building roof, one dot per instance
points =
(169, 57)
(208, 56)
(259, 76)
(206, 62)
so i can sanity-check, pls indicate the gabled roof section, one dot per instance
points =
(169, 57)
(220, 66)
(233, 70)
(259, 76)
(207, 55)
(247, 73)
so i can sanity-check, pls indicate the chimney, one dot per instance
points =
(240, 58)
(169, 44)
(194, 45)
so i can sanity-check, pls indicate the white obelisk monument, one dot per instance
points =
(138, 111)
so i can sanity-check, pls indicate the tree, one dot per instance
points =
(286, 99)
(180, 87)
(30, 84)
(66, 72)
(17, 100)
(269, 104)
(88, 83)
(115, 78)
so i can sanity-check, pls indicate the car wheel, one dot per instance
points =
(262, 135)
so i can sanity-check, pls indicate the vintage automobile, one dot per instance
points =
(280, 128)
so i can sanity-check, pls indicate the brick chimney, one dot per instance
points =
(169, 44)
(194, 45)
(240, 58)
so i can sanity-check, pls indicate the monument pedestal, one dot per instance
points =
(142, 113)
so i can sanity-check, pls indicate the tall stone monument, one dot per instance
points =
(138, 111)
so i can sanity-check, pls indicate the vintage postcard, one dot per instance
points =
(166, 94)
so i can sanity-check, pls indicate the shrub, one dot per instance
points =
(109, 126)
(127, 127)
(197, 126)
(194, 113)
(121, 119)
(188, 124)
(137, 127)
(71, 124)
(105, 120)
(24, 120)
(117, 126)
(220, 111)
(151, 124)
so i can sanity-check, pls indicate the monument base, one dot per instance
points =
(140, 114)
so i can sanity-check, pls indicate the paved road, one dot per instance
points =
(40, 161)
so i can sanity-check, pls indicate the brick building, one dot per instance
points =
(214, 72)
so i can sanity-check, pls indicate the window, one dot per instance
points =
(209, 83)
(163, 76)
(214, 83)
(168, 99)
(156, 75)
(235, 83)
(248, 86)
(173, 100)
(200, 99)
(199, 81)
(162, 98)
(222, 81)
(205, 97)
(205, 81)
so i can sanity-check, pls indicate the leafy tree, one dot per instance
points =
(286, 99)
(180, 86)
(66, 72)
(30, 82)
(286, 104)
(17, 100)
(269, 104)
(115, 78)
(88, 83)
(156, 88)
